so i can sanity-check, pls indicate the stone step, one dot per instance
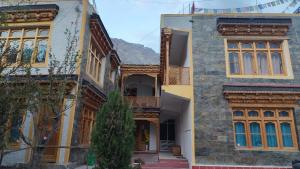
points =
(167, 164)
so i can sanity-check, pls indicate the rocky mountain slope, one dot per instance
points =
(132, 53)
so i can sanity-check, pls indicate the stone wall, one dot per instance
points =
(214, 137)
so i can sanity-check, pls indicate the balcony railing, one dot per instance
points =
(143, 101)
(179, 75)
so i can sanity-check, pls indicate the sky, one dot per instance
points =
(138, 21)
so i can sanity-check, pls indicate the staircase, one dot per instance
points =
(168, 164)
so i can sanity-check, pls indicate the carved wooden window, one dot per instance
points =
(259, 58)
(86, 123)
(264, 129)
(94, 61)
(26, 45)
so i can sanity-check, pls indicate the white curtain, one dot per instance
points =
(277, 63)
(248, 61)
(234, 63)
(262, 63)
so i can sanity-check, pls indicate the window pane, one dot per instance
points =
(286, 135)
(255, 135)
(247, 45)
(30, 33)
(271, 135)
(283, 114)
(2, 45)
(42, 49)
(13, 51)
(232, 45)
(268, 114)
(262, 63)
(248, 63)
(92, 63)
(234, 63)
(16, 33)
(238, 113)
(15, 129)
(27, 51)
(43, 32)
(277, 63)
(253, 114)
(260, 45)
(240, 135)
(275, 45)
(3, 34)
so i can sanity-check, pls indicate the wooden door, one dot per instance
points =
(49, 134)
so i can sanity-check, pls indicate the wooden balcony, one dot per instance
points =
(143, 101)
(179, 75)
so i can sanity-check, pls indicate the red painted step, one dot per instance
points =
(167, 164)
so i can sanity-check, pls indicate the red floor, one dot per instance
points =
(167, 164)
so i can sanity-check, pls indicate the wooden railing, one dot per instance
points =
(143, 101)
(179, 75)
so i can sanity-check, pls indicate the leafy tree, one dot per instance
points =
(113, 134)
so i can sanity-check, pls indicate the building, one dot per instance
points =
(43, 24)
(240, 108)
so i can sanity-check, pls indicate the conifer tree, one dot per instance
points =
(113, 134)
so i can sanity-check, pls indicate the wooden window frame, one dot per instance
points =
(36, 38)
(95, 54)
(277, 120)
(86, 124)
(283, 50)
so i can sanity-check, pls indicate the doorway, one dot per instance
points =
(167, 135)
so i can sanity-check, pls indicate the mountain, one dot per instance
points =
(133, 53)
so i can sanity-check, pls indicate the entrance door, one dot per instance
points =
(141, 135)
(49, 135)
(167, 134)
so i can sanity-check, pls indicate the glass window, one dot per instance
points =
(286, 135)
(247, 45)
(266, 59)
(43, 32)
(232, 45)
(3, 34)
(260, 45)
(268, 114)
(248, 63)
(283, 114)
(238, 113)
(262, 63)
(30, 33)
(15, 129)
(240, 135)
(234, 63)
(271, 135)
(42, 51)
(27, 51)
(263, 133)
(253, 114)
(275, 45)
(255, 135)
(16, 33)
(13, 51)
(277, 63)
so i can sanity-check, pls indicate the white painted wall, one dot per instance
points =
(152, 139)
(183, 127)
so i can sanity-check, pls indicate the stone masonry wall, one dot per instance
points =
(214, 138)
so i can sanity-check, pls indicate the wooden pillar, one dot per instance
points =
(167, 61)
(156, 93)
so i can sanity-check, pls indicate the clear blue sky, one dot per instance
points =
(138, 21)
